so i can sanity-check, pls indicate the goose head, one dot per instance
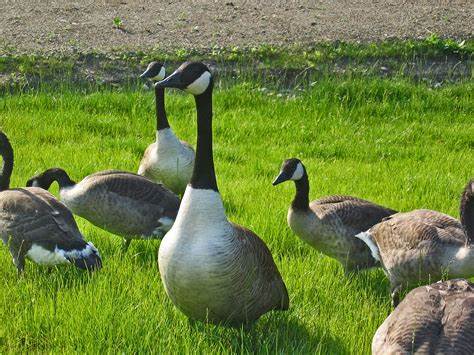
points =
(155, 72)
(46, 178)
(192, 77)
(291, 169)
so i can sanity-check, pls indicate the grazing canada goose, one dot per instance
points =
(424, 245)
(122, 203)
(168, 160)
(212, 269)
(329, 224)
(434, 319)
(35, 225)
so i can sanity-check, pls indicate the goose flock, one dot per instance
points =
(217, 271)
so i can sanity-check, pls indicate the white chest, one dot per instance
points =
(199, 237)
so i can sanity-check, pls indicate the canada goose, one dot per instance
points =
(434, 319)
(212, 269)
(424, 245)
(35, 225)
(329, 224)
(122, 203)
(168, 160)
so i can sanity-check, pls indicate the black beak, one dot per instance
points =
(281, 178)
(29, 183)
(173, 81)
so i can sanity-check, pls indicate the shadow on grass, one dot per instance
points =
(372, 282)
(275, 332)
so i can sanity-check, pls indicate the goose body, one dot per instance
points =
(168, 160)
(329, 224)
(122, 203)
(423, 245)
(434, 319)
(34, 225)
(212, 269)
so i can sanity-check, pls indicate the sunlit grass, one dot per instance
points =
(399, 144)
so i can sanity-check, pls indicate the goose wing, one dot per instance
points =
(438, 318)
(146, 162)
(268, 286)
(405, 237)
(33, 215)
(352, 212)
(412, 229)
(134, 187)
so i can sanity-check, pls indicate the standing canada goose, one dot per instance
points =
(424, 245)
(168, 160)
(212, 269)
(434, 319)
(35, 225)
(329, 224)
(122, 203)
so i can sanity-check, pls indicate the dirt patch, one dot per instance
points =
(61, 26)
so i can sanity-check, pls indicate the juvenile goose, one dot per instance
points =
(122, 203)
(212, 269)
(434, 319)
(424, 245)
(329, 224)
(35, 225)
(168, 160)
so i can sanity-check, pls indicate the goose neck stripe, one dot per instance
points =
(161, 118)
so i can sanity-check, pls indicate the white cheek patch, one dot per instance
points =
(299, 172)
(35, 183)
(199, 85)
(160, 76)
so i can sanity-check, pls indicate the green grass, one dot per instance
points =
(400, 144)
(447, 58)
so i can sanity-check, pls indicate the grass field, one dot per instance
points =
(397, 143)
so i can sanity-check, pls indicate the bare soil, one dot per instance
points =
(61, 26)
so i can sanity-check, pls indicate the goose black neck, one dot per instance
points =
(204, 176)
(301, 200)
(61, 177)
(161, 118)
(7, 156)
(467, 214)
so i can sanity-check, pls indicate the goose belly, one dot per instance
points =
(410, 267)
(202, 278)
(173, 170)
(329, 238)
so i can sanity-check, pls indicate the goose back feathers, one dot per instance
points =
(422, 245)
(122, 203)
(214, 270)
(35, 225)
(434, 319)
(329, 224)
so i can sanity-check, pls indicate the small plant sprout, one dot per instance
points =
(118, 23)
